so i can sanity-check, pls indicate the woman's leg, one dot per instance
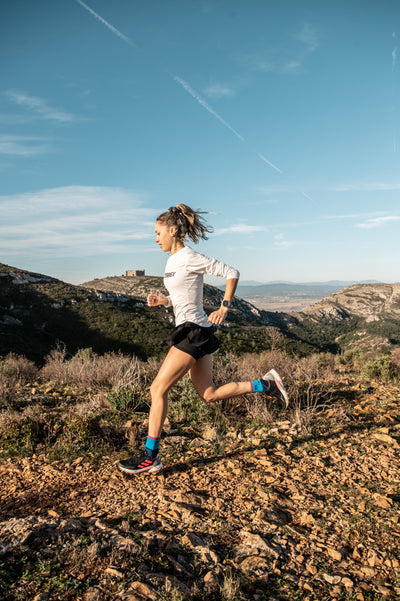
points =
(176, 364)
(202, 378)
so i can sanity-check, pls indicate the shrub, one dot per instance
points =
(351, 358)
(19, 434)
(312, 385)
(251, 366)
(86, 368)
(395, 357)
(185, 405)
(382, 368)
(15, 371)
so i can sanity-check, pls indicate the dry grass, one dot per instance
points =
(230, 589)
(87, 369)
(120, 382)
(15, 371)
(302, 378)
(314, 382)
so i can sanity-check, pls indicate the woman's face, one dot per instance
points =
(164, 236)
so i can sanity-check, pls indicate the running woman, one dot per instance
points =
(193, 340)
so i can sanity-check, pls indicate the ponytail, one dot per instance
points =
(188, 223)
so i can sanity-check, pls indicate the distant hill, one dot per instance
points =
(289, 296)
(38, 312)
(363, 316)
(335, 283)
(242, 312)
(368, 301)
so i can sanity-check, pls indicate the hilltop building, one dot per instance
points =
(131, 273)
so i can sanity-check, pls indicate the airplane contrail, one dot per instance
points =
(181, 82)
(208, 108)
(204, 104)
(394, 58)
(309, 198)
(110, 27)
(260, 156)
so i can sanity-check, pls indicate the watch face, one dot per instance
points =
(226, 303)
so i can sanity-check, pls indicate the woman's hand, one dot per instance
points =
(153, 300)
(218, 317)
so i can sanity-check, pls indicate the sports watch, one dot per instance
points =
(226, 303)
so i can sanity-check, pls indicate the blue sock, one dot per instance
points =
(152, 445)
(259, 386)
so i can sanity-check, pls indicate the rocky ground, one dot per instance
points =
(257, 513)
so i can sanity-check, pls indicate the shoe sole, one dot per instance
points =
(280, 385)
(153, 469)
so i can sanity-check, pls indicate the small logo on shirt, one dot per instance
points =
(170, 274)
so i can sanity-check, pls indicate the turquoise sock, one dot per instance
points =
(259, 386)
(152, 445)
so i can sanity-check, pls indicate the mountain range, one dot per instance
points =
(38, 312)
(289, 296)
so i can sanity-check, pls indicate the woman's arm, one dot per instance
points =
(219, 316)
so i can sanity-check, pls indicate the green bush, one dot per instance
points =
(381, 368)
(351, 357)
(185, 405)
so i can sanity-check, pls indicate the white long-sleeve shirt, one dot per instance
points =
(183, 279)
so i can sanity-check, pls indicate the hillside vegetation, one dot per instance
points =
(39, 313)
(363, 316)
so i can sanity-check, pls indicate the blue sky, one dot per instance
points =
(281, 117)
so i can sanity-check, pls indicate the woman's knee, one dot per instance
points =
(209, 395)
(158, 390)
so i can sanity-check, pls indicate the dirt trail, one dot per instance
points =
(269, 513)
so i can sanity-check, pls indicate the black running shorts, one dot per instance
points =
(194, 340)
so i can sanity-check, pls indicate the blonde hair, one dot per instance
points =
(188, 223)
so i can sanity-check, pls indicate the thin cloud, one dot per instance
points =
(367, 187)
(280, 242)
(286, 58)
(14, 119)
(394, 57)
(22, 146)
(240, 228)
(348, 216)
(74, 221)
(309, 36)
(273, 61)
(346, 187)
(107, 24)
(40, 107)
(218, 90)
(378, 222)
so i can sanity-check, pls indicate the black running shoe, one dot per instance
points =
(276, 387)
(140, 464)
